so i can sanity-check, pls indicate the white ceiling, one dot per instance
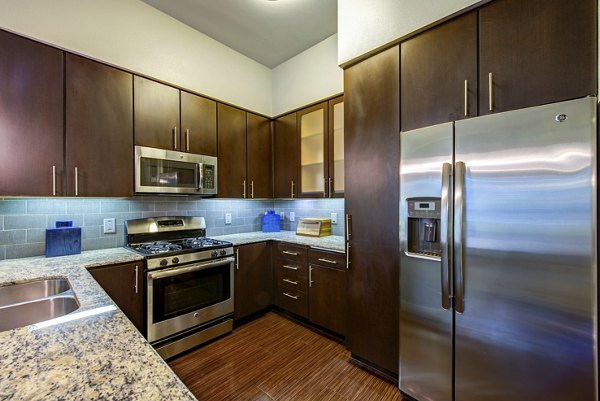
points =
(269, 32)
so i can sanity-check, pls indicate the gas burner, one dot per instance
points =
(199, 242)
(159, 247)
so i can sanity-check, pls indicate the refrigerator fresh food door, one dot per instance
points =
(525, 259)
(425, 309)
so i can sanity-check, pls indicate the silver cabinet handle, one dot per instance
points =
(175, 138)
(290, 296)
(287, 280)
(244, 186)
(293, 188)
(136, 279)
(328, 261)
(290, 253)
(466, 98)
(76, 181)
(459, 215)
(237, 259)
(187, 139)
(347, 256)
(53, 180)
(310, 269)
(290, 267)
(348, 233)
(329, 186)
(252, 189)
(491, 91)
(446, 237)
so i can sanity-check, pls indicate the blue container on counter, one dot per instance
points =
(271, 222)
(63, 240)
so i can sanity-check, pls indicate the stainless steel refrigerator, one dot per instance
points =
(498, 267)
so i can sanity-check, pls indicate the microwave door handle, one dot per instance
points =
(175, 271)
(199, 177)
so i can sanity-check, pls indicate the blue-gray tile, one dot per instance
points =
(13, 222)
(99, 243)
(51, 220)
(24, 250)
(17, 206)
(140, 206)
(114, 206)
(46, 206)
(1, 222)
(36, 235)
(83, 206)
(91, 232)
(13, 237)
(187, 205)
(2, 252)
(166, 206)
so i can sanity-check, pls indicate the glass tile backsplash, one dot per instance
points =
(23, 221)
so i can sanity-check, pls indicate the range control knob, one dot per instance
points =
(214, 254)
(223, 252)
(175, 260)
(164, 262)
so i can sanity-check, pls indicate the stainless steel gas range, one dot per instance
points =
(189, 281)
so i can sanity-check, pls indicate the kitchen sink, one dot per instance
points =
(32, 290)
(35, 302)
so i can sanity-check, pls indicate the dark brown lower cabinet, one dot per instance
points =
(124, 283)
(253, 279)
(371, 135)
(327, 290)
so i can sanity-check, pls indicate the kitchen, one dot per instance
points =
(376, 78)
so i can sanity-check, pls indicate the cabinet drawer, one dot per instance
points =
(292, 252)
(292, 301)
(291, 279)
(327, 259)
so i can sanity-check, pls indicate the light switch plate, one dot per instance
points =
(227, 218)
(333, 218)
(110, 226)
(292, 216)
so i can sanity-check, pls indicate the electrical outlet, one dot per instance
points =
(292, 216)
(227, 218)
(282, 215)
(109, 226)
(333, 218)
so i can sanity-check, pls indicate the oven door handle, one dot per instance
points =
(175, 271)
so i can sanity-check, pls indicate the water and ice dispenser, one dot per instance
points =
(423, 226)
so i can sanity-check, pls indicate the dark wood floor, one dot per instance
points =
(273, 358)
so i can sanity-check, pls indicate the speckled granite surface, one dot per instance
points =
(96, 355)
(331, 242)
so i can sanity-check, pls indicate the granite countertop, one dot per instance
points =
(96, 354)
(331, 242)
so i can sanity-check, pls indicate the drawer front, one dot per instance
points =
(291, 279)
(292, 301)
(327, 259)
(292, 252)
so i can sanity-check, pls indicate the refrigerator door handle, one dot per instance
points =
(459, 234)
(446, 237)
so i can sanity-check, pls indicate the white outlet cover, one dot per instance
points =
(227, 218)
(282, 215)
(333, 218)
(292, 216)
(110, 226)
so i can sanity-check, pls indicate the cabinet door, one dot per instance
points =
(258, 152)
(335, 179)
(327, 298)
(538, 52)
(438, 67)
(99, 129)
(312, 126)
(253, 279)
(285, 155)
(156, 114)
(31, 118)
(124, 283)
(232, 152)
(372, 101)
(198, 124)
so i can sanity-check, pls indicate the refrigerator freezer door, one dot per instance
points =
(425, 326)
(528, 329)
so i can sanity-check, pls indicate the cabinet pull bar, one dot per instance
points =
(328, 261)
(53, 180)
(466, 98)
(347, 256)
(290, 267)
(136, 279)
(76, 181)
(244, 186)
(252, 189)
(287, 280)
(237, 259)
(329, 186)
(310, 269)
(290, 253)
(292, 188)
(175, 138)
(187, 139)
(491, 91)
(348, 233)
(290, 296)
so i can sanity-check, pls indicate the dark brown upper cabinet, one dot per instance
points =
(317, 144)
(31, 118)
(285, 156)
(198, 124)
(167, 118)
(259, 170)
(534, 52)
(439, 74)
(99, 129)
(232, 152)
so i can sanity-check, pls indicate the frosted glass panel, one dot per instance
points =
(338, 147)
(312, 155)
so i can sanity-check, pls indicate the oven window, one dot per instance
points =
(177, 295)
(167, 173)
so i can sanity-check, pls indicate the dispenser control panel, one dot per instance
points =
(423, 226)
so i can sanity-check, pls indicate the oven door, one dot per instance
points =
(166, 171)
(183, 297)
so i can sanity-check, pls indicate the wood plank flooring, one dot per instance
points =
(273, 359)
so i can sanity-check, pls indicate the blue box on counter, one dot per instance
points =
(271, 222)
(63, 240)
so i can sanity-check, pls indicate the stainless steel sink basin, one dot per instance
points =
(32, 290)
(26, 313)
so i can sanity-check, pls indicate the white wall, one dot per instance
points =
(133, 35)
(308, 77)
(364, 26)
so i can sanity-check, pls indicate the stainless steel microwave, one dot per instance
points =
(162, 171)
